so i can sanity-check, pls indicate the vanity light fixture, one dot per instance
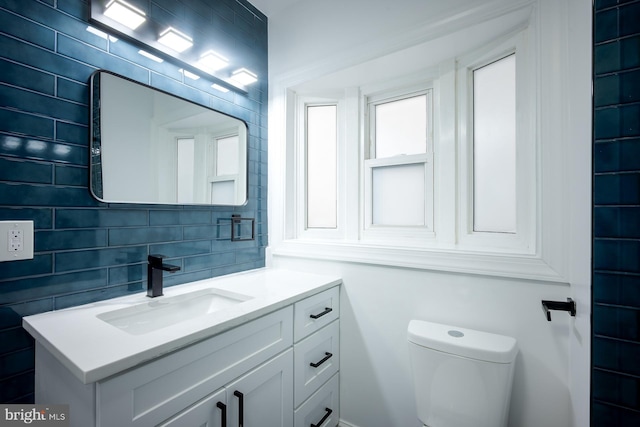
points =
(150, 56)
(244, 77)
(101, 34)
(222, 89)
(124, 13)
(189, 74)
(175, 40)
(212, 61)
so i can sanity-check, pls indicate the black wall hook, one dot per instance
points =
(569, 306)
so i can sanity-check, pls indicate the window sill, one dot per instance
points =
(488, 264)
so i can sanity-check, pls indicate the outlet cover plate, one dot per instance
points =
(16, 240)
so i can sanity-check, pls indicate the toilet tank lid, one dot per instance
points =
(463, 342)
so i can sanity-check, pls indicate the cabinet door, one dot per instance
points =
(209, 412)
(153, 392)
(264, 396)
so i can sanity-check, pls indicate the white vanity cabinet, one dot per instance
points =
(317, 360)
(278, 370)
(265, 400)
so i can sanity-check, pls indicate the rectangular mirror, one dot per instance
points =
(148, 146)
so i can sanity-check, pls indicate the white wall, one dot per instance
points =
(378, 301)
(579, 171)
(377, 304)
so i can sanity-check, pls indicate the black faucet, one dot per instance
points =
(154, 275)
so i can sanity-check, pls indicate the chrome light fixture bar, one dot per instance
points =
(174, 39)
(244, 77)
(150, 56)
(195, 49)
(189, 74)
(101, 34)
(125, 13)
(212, 61)
(222, 89)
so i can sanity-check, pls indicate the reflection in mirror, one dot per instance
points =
(148, 146)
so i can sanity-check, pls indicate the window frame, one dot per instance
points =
(214, 178)
(524, 240)
(539, 257)
(396, 234)
(302, 231)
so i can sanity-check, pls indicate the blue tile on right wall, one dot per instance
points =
(617, 189)
(616, 288)
(617, 156)
(616, 355)
(616, 255)
(617, 389)
(609, 415)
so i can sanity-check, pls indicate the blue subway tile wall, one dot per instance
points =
(86, 250)
(615, 375)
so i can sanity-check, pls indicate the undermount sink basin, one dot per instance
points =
(166, 311)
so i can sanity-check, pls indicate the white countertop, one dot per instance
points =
(93, 349)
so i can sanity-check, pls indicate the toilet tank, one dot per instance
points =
(462, 377)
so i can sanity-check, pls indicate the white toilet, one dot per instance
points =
(462, 377)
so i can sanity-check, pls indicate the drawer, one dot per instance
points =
(152, 393)
(323, 407)
(315, 312)
(316, 359)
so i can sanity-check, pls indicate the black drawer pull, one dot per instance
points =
(223, 415)
(327, 310)
(329, 411)
(326, 357)
(240, 397)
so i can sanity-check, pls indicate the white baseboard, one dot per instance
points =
(345, 424)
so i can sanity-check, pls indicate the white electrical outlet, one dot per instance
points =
(16, 240)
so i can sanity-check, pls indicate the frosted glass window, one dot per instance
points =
(185, 166)
(398, 195)
(322, 138)
(401, 127)
(494, 147)
(227, 156)
(223, 192)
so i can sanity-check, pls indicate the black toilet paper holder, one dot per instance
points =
(569, 306)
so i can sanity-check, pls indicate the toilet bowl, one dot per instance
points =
(462, 377)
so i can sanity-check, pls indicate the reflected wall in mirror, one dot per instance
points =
(148, 146)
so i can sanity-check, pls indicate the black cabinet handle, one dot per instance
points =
(329, 411)
(327, 310)
(326, 357)
(223, 417)
(240, 397)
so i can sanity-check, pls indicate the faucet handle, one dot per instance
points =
(155, 259)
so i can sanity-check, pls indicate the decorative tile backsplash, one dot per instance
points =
(86, 250)
(616, 215)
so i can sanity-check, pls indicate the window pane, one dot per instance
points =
(494, 146)
(401, 127)
(322, 137)
(223, 192)
(398, 195)
(227, 156)
(185, 163)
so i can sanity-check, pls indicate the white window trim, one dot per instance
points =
(524, 239)
(301, 230)
(547, 264)
(236, 179)
(396, 235)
